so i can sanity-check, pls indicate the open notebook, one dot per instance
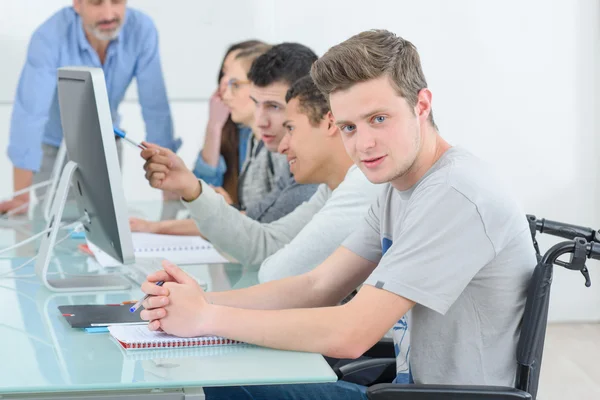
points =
(138, 337)
(181, 250)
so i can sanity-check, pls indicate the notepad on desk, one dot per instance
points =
(139, 337)
(100, 315)
(180, 250)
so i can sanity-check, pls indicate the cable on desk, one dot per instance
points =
(3, 275)
(27, 189)
(37, 339)
(37, 235)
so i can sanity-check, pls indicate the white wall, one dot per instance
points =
(515, 82)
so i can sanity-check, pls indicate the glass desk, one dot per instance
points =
(43, 357)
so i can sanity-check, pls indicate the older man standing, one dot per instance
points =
(95, 33)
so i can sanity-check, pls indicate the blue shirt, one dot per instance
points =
(214, 175)
(401, 337)
(61, 41)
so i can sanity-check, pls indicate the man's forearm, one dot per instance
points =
(293, 292)
(345, 331)
(22, 178)
(185, 227)
(326, 285)
(212, 144)
(324, 330)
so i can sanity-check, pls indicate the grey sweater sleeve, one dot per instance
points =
(248, 241)
(343, 212)
(281, 201)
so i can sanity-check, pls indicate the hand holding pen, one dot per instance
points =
(121, 134)
(165, 170)
(139, 303)
(178, 308)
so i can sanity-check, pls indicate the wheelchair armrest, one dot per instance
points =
(362, 365)
(392, 391)
(382, 349)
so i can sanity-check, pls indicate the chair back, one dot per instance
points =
(533, 329)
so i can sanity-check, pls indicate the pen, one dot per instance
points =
(139, 303)
(123, 303)
(121, 134)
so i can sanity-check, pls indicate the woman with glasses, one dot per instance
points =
(225, 142)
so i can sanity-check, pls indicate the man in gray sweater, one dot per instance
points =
(304, 238)
(266, 185)
(270, 77)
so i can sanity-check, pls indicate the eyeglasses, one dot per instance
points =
(235, 84)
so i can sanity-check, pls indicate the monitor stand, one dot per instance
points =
(75, 283)
(55, 177)
(70, 214)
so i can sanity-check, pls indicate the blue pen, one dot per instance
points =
(139, 303)
(121, 134)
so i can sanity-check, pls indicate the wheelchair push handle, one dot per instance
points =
(561, 229)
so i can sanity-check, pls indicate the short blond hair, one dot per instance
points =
(370, 55)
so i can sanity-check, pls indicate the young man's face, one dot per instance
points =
(380, 130)
(269, 113)
(101, 18)
(304, 144)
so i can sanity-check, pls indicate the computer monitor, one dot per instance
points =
(93, 169)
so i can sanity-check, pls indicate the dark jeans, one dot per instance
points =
(323, 391)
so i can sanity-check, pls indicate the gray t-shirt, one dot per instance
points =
(458, 245)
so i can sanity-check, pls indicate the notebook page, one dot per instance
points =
(177, 249)
(180, 250)
(143, 241)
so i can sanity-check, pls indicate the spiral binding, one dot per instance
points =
(184, 352)
(181, 343)
(173, 248)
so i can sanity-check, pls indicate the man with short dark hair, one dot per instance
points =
(271, 75)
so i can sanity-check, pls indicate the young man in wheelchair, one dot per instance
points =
(444, 240)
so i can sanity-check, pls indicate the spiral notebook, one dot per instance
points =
(181, 250)
(138, 337)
